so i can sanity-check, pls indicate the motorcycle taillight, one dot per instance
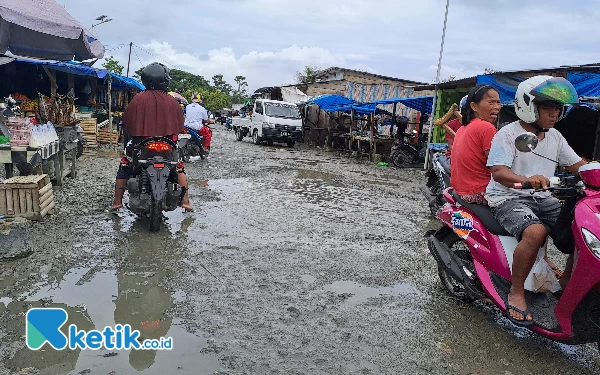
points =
(158, 146)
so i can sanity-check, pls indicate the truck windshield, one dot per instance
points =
(281, 110)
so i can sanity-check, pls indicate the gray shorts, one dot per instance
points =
(516, 215)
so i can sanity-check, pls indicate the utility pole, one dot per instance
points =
(129, 61)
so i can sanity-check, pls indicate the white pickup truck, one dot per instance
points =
(271, 121)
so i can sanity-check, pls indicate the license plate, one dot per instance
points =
(285, 134)
(185, 136)
(159, 165)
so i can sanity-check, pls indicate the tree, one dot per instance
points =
(137, 75)
(308, 75)
(216, 100)
(113, 65)
(450, 78)
(240, 94)
(221, 85)
(489, 71)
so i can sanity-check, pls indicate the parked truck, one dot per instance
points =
(271, 122)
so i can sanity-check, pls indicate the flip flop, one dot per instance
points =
(114, 210)
(521, 323)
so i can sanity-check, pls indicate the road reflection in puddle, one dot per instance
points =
(96, 299)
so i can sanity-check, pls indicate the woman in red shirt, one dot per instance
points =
(472, 144)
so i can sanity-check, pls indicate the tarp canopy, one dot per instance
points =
(335, 103)
(122, 81)
(586, 84)
(44, 29)
(70, 67)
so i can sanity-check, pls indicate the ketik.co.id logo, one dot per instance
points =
(43, 326)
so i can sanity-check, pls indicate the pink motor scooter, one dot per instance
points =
(474, 256)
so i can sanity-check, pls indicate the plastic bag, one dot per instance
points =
(544, 280)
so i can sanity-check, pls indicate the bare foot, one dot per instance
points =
(520, 303)
(116, 206)
(187, 208)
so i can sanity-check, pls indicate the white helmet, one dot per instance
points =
(541, 89)
(463, 101)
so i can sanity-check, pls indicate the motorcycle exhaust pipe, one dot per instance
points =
(443, 257)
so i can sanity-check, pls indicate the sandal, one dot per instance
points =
(521, 323)
(187, 209)
(114, 210)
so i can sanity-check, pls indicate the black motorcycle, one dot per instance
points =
(190, 143)
(433, 191)
(154, 187)
(405, 153)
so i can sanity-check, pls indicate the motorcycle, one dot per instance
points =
(190, 144)
(154, 186)
(474, 256)
(441, 168)
(405, 153)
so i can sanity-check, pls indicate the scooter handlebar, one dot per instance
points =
(523, 186)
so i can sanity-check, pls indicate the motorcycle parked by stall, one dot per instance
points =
(154, 187)
(406, 153)
(474, 255)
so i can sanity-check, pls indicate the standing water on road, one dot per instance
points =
(294, 262)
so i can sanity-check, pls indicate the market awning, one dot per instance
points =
(70, 67)
(338, 103)
(44, 29)
(119, 80)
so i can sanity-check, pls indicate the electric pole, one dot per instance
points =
(129, 61)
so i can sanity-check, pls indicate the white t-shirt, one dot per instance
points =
(195, 114)
(504, 152)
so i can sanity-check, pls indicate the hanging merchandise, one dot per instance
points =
(62, 111)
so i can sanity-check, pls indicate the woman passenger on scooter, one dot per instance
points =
(469, 173)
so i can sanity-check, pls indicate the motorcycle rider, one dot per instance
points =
(151, 113)
(197, 118)
(540, 102)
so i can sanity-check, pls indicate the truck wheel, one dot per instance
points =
(291, 144)
(255, 138)
(270, 143)
(238, 134)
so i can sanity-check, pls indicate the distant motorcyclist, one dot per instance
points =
(196, 118)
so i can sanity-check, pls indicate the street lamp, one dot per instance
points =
(102, 19)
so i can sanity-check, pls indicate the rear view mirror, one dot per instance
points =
(526, 142)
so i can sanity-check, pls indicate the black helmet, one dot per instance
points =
(156, 77)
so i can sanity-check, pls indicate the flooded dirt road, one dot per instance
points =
(296, 261)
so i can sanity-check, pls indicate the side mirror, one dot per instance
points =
(526, 142)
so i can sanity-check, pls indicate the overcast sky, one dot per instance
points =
(268, 40)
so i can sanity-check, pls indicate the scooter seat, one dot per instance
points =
(483, 213)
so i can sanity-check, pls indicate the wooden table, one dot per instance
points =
(33, 156)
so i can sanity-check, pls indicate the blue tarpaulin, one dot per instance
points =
(66, 66)
(77, 68)
(335, 103)
(586, 84)
(506, 85)
(119, 80)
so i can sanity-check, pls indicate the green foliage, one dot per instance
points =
(221, 85)
(113, 65)
(240, 95)
(138, 75)
(216, 100)
(188, 84)
(308, 75)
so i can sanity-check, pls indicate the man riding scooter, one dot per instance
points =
(196, 118)
(540, 103)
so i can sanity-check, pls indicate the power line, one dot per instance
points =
(156, 57)
(136, 55)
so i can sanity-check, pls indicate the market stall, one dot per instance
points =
(64, 95)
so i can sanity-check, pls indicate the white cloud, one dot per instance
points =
(260, 68)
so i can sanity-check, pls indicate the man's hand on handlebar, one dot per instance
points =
(538, 182)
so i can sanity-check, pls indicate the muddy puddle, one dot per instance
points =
(108, 297)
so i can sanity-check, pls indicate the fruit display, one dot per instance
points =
(20, 97)
(30, 105)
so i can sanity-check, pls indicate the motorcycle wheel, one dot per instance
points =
(402, 159)
(184, 154)
(155, 215)
(453, 287)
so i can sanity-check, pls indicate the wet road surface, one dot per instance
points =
(296, 261)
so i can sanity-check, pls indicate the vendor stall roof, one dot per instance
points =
(70, 67)
(44, 29)
(119, 80)
(335, 103)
